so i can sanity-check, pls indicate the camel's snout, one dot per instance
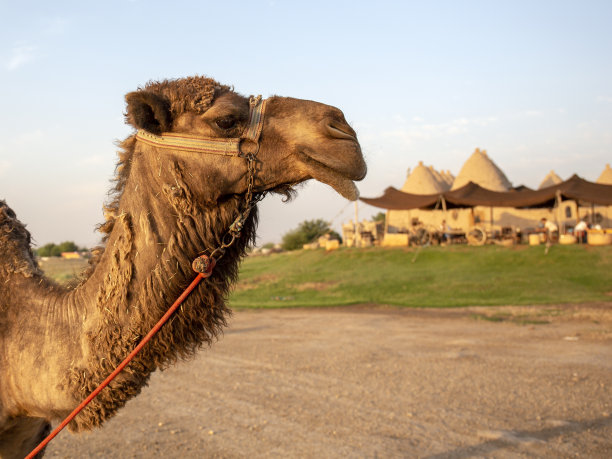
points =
(350, 162)
(324, 144)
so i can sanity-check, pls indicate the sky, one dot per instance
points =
(529, 81)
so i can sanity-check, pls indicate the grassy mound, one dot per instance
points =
(438, 277)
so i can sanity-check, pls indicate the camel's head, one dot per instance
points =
(300, 139)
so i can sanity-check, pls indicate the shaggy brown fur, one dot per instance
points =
(57, 344)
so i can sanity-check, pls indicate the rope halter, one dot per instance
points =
(231, 146)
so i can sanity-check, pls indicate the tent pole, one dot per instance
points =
(577, 212)
(558, 205)
(387, 222)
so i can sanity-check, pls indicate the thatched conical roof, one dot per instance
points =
(551, 179)
(422, 181)
(606, 176)
(448, 178)
(480, 169)
(439, 178)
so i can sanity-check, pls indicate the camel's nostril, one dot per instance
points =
(340, 130)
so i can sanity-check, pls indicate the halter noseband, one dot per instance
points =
(213, 145)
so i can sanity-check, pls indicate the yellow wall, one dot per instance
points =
(463, 219)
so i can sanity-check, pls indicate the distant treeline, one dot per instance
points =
(55, 250)
(306, 232)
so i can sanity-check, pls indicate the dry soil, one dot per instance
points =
(379, 382)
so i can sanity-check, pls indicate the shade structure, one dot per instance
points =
(471, 195)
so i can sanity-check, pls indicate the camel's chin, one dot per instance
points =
(345, 187)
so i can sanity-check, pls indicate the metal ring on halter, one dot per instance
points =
(241, 153)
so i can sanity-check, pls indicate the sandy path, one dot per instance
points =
(375, 382)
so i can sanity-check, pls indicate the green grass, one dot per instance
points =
(63, 271)
(439, 277)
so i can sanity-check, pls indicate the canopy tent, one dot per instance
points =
(471, 195)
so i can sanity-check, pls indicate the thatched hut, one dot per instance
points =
(606, 176)
(424, 180)
(494, 216)
(603, 214)
(551, 179)
(448, 178)
(481, 169)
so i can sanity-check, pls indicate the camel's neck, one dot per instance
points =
(156, 231)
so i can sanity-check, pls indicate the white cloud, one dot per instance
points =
(408, 132)
(24, 52)
(20, 55)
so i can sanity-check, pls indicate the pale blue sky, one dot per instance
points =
(529, 81)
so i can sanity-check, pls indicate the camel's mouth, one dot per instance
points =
(337, 172)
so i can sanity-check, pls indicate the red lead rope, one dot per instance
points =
(128, 359)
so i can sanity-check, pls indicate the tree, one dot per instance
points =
(54, 250)
(46, 250)
(379, 217)
(68, 246)
(308, 231)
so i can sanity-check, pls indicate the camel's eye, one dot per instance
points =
(225, 123)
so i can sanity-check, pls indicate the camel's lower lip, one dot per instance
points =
(330, 176)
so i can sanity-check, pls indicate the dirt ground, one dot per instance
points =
(379, 382)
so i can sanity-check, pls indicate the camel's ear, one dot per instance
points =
(148, 111)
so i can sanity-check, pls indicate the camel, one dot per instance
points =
(168, 205)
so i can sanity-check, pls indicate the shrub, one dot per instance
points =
(379, 217)
(54, 250)
(308, 231)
